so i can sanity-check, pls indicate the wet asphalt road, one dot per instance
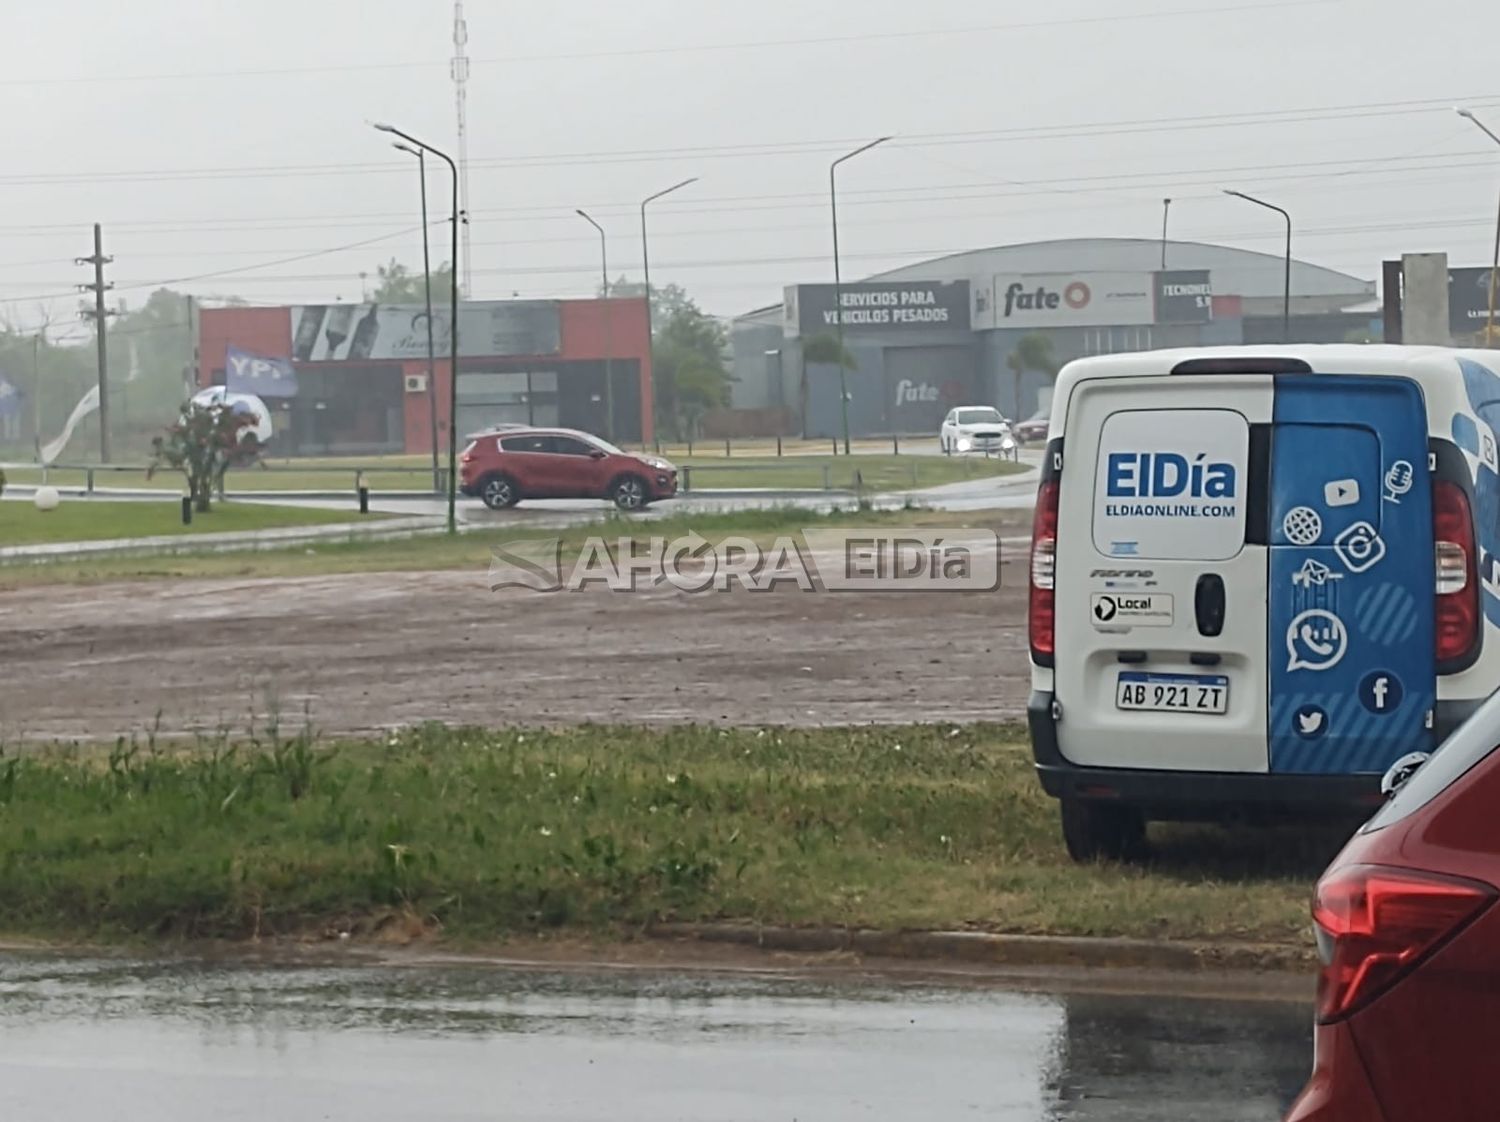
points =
(105, 1041)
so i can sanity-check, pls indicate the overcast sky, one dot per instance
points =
(211, 137)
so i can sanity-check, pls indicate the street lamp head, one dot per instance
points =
(400, 147)
(382, 126)
(1462, 112)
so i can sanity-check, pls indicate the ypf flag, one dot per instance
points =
(259, 376)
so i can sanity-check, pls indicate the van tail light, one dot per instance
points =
(1457, 572)
(1042, 613)
(1375, 925)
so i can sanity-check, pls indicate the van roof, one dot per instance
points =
(1324, 358)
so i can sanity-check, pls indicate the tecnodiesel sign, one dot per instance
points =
(890, 306)
(1184, 296)
(356, 332)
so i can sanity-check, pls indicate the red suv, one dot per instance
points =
(502, 468)
(1409, 936)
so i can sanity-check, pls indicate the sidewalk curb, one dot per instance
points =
(1004, 950)
(230, 541)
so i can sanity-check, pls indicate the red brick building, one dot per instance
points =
(361, 372)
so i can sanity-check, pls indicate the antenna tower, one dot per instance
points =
(460, 71)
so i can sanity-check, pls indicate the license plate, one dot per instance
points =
(1173, 693)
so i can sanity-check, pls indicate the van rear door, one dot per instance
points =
(1353, 675)
(1161, 614)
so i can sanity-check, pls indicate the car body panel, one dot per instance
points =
(1423, 1048)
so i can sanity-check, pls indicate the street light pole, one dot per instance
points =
(609, 335)
(646, 267)
(427, 287)
(452, 329)
(1286, 298)
(1166, 210)
(1489, 326)
(838, 280)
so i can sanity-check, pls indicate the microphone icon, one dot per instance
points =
(1398, 481)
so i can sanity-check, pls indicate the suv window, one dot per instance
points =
(571, 446)
(1467, 747)
(526, 443)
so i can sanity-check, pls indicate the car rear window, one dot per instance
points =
(1466, 747)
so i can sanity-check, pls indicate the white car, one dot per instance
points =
(977, 428)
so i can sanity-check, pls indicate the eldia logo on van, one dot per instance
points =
(1140, 485)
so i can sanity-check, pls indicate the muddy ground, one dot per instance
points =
(363, 652)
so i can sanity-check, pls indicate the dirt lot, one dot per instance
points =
(372, 651)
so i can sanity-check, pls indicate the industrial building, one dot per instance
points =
(924, 338)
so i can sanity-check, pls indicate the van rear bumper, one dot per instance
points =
(1196, 796)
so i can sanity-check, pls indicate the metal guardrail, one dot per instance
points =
(355, 473)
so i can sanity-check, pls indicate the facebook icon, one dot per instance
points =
(1380, 692)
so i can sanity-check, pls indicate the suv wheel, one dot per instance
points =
(499, 492)
(629, 492)
(1095, 830)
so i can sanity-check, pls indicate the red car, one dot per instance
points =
(1409, 936)
(502, 468)
(1033, 428)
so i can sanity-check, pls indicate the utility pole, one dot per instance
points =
(36, 391)
(100, 315)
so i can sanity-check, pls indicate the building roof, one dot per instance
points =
(1236, 272)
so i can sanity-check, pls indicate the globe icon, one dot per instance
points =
(1302, 526)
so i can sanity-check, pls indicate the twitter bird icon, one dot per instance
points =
(1311, 722)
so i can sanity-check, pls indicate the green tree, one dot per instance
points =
(206, 442)
(1033, 352)
(691, 371)
(397, 284)
(825, 349)
(667, 300)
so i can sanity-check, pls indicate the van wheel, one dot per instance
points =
(1095, 830)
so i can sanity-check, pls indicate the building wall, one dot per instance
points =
(757, 374)
(592, 333)
(266, 331)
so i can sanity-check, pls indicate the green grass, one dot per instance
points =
(466, 551)
(483, 834)
(98, 520)
(876, 473)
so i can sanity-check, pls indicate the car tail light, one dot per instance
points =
(1375, 925)
(1042, 612)
(1456, 571)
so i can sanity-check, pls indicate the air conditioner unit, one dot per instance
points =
(416, 383)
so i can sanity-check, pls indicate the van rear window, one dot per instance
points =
(1170, 484)
(1465, 749)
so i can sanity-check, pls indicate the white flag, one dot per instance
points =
(87, 404)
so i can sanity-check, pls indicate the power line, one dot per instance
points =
(699, 48)
(1082, 130)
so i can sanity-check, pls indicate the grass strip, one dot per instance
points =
(472, 550)
(482, 834)
(102, 520)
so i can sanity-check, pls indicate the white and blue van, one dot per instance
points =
(1260, 577)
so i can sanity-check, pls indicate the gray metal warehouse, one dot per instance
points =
(926, 337)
